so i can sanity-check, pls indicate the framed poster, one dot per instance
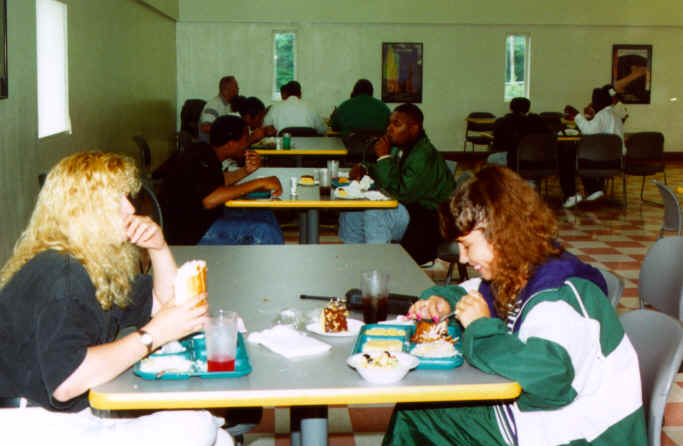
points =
(632, 72)
(3, 49)
(401, 72)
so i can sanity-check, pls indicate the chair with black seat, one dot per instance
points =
(553, 120)
(644, 156)
(146, 203)
(600, 156)
(656, 338)
(474, 132)
(672, 210)
(145, 157)
(361, 145)
(189, 116)
(299, 131)
(537, 156)
(448, 251)
(660, 281)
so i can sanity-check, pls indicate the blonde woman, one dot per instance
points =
(70, 285)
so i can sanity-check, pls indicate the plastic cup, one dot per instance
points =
(374, 287)
(333, 168)
(221, 341)
(324, 183)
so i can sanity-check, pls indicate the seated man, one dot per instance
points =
(194, 193)
(253, 111)
(509, 130)
(221, 105)
(362, 111)
(293, 112)
(413, 172)
(604, 121)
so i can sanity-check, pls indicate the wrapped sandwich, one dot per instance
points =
(190, 281)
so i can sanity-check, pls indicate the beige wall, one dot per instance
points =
(122, 82)
(463, 64)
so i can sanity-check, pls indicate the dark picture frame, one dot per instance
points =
(402, 72)
(632, 73)
(3, 50)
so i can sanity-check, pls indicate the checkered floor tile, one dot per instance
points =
(600, 233)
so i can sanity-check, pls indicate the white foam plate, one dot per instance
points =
(353, 324)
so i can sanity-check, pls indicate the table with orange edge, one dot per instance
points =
(258, 282)
(307, 199)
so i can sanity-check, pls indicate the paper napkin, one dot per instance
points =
(288, 342)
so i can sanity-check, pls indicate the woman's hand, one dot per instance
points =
(173, 322)
(144, 232)
(471, 307)
(432, 308)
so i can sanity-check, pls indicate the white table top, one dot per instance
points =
(258, 282)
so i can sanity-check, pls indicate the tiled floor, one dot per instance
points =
(599, 233)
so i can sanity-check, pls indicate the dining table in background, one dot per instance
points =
(307, 200)
(258, 282)
(306, 146)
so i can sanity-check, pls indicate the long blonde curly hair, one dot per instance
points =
(78, 213)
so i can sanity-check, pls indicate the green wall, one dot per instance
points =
(122, 82)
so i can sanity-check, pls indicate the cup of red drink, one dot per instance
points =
(374, 287)
(221, 341)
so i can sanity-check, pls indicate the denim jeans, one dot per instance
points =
(374, 225)
(244, 227)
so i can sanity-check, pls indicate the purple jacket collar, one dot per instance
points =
(551, 274)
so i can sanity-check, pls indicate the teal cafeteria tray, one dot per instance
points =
(195, 350)
(450, 362)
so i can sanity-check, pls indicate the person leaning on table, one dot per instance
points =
(70, 285)
(537, 316)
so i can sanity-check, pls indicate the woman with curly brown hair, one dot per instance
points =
(537, 316)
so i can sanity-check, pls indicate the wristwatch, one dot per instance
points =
(146, 340)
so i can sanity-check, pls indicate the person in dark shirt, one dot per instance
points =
(68, 288)
(193, 195)
(253, 111)
(509, 130)
(361, 112)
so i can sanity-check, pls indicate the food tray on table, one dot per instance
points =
(195, 352)
(448, 362)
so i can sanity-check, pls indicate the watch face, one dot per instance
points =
(146, 339)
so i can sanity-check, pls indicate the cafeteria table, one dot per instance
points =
(258, 282)
(307, 146)
(307, 199)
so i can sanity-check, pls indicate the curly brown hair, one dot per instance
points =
(514, 219)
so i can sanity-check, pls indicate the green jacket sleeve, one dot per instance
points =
(408, 185)
(543, 368)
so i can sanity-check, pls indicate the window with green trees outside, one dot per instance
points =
(284, 60)
(516, 66)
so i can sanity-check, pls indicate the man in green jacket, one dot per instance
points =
(361, 112)
(411, 170)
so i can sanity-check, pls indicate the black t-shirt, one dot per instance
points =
(195, 174)
(49, 316)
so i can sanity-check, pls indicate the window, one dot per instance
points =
(516, 66)
(284, 60)
(53, 70)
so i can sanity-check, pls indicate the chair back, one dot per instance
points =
(479, 127)
(656, 338)
(360, 143)
(537, 155)
(660, 282)
(599, 147)
(146, 203)
(672, 210)
(144, 152)
(189, 116)
(299, 131)
(645, 146)
(615, 287)
(553, 120)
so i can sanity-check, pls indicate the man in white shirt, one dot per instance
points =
(293, 112)
(604, 121)
(221, 105)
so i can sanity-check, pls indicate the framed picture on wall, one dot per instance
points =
(632, 72)
(401, 72)
(3, 49)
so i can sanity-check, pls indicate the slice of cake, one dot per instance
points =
(333, 317)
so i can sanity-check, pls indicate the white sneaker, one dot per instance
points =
(572, 201)
(595, 195)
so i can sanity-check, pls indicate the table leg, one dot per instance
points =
(313, 226)
(303, 228)
(308, 426)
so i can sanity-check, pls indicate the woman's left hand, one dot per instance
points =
(471, 307)
(144, 232)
